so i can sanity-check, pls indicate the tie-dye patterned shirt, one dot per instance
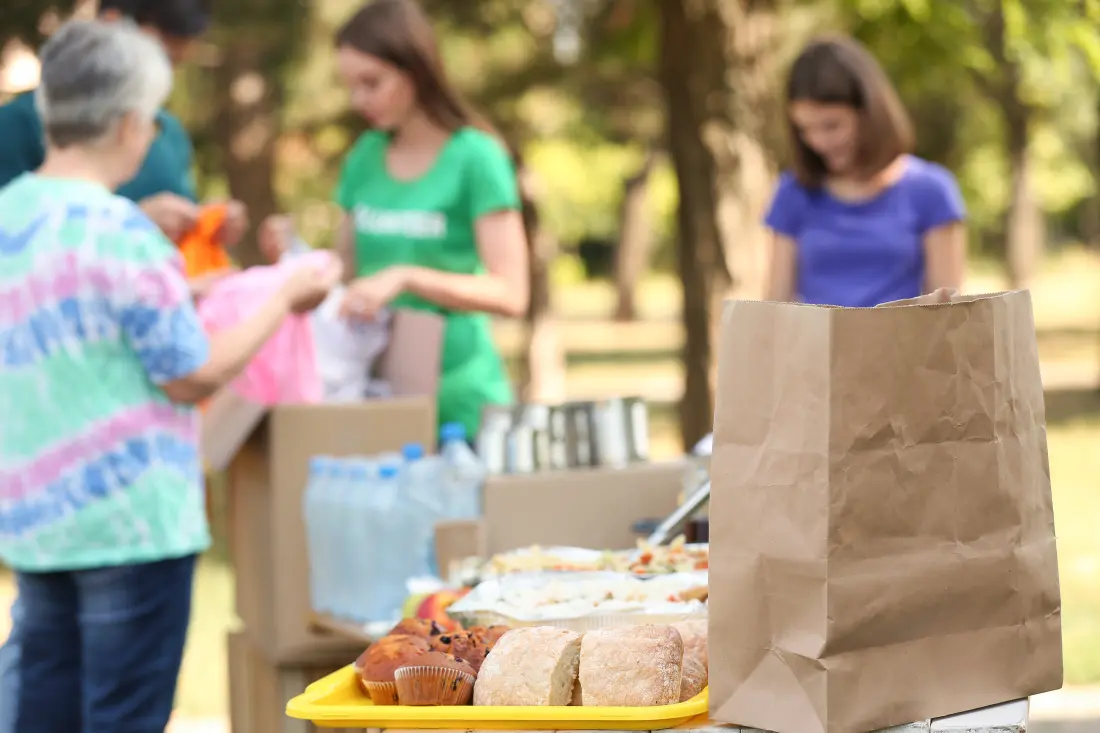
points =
(97, 466)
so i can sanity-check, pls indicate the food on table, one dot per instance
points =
(433, 606)
(435, 678)
(530, 666)
(635, 666)
(463, 645)
(425, 628)
(698, 593)
(547, 598)
(694, 635)
(693, 678)
(696, 666)
(382, 660)
(536, 559)
(676, 557)
(489, 635)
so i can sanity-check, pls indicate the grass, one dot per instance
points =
(1075, 467)
(642, 358)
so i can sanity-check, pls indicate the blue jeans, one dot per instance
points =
(96, 651)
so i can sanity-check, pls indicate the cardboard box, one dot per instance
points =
(267, 454)
(594, 508)
(259, 689)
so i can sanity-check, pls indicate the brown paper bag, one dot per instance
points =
(882, 534)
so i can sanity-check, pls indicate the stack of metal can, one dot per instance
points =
(530, 438)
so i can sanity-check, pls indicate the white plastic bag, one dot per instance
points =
(346, 350)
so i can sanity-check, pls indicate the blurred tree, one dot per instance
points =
(635, 238)
(718, 69)
(30, 21)
(1014, 57)
(257, 42)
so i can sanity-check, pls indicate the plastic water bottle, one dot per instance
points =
(393, 458)
(424, 506)
(350, 481)
(420, 478)
(327, 515)
(390, 540)
(312, 516)
(462, 473)
(358, 553)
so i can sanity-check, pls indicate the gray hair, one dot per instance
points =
(94, 74)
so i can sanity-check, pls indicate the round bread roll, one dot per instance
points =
(530, 666)
(694, 634)
(635, 666)
(693, 678)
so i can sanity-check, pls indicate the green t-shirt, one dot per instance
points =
(167, 166)
(429, 222)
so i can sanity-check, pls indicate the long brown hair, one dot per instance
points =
(838, 70)
(399, 33)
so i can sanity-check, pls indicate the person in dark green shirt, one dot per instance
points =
(432, 204)
(164, 186)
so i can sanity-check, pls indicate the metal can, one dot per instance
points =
(540, 440)
(492, 439)
(580, 434)
(637, 429)
(558, 438)
(534, 416)
(521, 450)
(610, 436)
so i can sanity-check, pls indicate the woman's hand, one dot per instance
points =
(307, 287)
(236, 224)
(782, 270)
(945, 257)
(203, 284)
(368, 295)
(174, 214)
(274, 237)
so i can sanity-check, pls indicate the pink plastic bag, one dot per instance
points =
(285, 369)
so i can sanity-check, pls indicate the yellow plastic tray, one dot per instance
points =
(336, 702)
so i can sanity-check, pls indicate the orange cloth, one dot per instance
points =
(202, 255)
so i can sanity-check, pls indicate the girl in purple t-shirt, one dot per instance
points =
(859, 221)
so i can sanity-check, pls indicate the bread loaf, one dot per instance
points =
(530, 666)
(696, 667)
(693, 678)
(694, 634)
(637, 666)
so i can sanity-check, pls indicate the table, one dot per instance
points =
(1006, 718)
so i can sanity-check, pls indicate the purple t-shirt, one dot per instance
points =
(866, 253)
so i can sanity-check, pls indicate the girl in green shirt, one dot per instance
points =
(432, 207)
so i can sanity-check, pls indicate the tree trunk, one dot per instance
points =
(1023, 219)
(635, 238)
(716, 58)
(1090, 225)
(257, 39)
(544, 361)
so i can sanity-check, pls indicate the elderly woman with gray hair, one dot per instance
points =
(102, 359)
